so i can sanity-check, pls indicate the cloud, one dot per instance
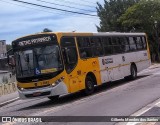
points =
(17, 21)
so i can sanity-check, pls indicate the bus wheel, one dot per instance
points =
(54, 98)
(89, 85)
(133, 72)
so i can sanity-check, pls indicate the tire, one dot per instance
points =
(133, 72)
(133, 75)
(54, 98)
(89, 85)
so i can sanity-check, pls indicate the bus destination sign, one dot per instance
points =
(35, 41)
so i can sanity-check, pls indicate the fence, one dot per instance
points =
(7, 88)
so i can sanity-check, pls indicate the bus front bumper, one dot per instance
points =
(59, 89)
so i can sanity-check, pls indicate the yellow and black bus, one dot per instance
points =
(53, 64)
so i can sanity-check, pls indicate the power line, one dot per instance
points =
(53, 8)
(80, 4)
(43, 10)
(28, 7)
(64, 5)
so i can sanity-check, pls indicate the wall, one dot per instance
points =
(3, 50)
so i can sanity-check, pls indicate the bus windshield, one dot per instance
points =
(38, 60)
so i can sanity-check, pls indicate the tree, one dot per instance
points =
(142, 17)
(110, 13)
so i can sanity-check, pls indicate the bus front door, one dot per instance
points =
(70, 57)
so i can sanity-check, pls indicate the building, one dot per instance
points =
(3, 49)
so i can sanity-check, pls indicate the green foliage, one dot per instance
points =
(142, 16)
(110, 13)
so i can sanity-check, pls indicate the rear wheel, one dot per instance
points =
(54, 98)
(89, 84)
(133, 71)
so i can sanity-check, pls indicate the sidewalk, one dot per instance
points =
(8, 98)
(154, 65)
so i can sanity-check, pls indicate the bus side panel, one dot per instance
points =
(143, 61)
(111, 68)
(129, 58)
(103, 70)
(115, 67)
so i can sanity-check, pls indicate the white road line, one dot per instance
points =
(4, 103)
(142, 111)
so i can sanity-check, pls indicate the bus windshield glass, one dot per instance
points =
(38, 60)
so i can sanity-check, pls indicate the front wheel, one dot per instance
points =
(54, 98)
(89, 84)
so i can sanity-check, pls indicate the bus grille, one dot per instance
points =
(37, 87)
(41, 94)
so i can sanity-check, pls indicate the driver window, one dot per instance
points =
(69, 53)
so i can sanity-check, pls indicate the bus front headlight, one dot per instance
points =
(22, 89)
(58, 81)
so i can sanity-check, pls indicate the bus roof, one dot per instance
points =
(117, 34)
(87, 34)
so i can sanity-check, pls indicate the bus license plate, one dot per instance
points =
(37, 93)
(45, 82)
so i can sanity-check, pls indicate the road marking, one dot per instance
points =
(143, 123)
(9, 123)
(142, 111)
(9, 101)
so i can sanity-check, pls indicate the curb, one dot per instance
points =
(153, 66)
(9, 101)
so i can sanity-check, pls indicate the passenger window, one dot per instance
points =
(144, 43)
(139, 43)
(108, 48)
(96, 46)
(132, 44)
(83, 42)
(69, 53)
(116, 45)
(124, 44)
(85, 48)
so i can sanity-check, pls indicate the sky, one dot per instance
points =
(18, 19)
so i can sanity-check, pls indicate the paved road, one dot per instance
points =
(119, 98)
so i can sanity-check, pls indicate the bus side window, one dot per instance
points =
(69, 53)
(84, 45)
(116, 45)
(96, 46)
(144, 42)
(132, 44)
(107, 45)
(139, 43)
(124, 44)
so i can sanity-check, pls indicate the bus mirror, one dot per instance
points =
(10, 58)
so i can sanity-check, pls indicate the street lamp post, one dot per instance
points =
(157, 38)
